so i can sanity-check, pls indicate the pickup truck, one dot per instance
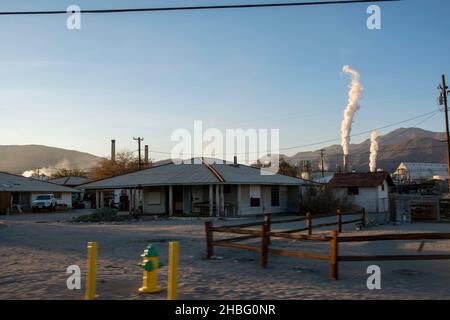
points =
(44, 201)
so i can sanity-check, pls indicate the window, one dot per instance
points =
(57, 195)
(352, 191)
(255, 196)
(275, 196)
(382, 187)
(227, 188)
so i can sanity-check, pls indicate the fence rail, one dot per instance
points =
(333, 239)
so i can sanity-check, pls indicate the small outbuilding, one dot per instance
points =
(18, 191)
(203, 187)
(369, 190)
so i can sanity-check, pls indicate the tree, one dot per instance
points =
(125, 162)
(65, 172)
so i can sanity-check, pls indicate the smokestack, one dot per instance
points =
(235, 160)
(345, 165)
(113, 150)
(146, 154)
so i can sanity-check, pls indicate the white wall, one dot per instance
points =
(373, 199)
(265, 201)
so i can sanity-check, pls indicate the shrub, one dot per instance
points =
(102, 215)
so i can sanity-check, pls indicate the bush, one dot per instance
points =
(102, 215)
(323, 200)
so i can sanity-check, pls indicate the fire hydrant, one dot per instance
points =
(150, 264)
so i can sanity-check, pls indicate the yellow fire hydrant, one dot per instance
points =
(150, 264)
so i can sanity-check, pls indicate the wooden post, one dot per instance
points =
(173, 271)
(334, 256)
(363, 217)
(309, 223)
(209, 239)
(267, 222)
(264, 246)
(339, 221)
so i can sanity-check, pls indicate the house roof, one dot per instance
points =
(360, 179)
(14, 183)
(70, 181)
(198, 173)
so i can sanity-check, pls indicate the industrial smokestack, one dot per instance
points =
(373, 151)
(235, 160)
(354, 94)
(345, 164)
(146, 154)
(113, 150)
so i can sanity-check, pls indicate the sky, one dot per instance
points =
(148, 74)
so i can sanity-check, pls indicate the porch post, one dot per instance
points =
(102, 199)
(238, 200)
(222, 200)
(211, 199)
(217, 201)
(170, 201)
(97, 199)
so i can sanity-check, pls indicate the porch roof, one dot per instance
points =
(199, 173)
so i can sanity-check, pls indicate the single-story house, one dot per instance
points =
(22, 191)
(203, 187)
(368, 190)
(79, 199)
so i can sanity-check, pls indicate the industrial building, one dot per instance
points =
(202, 187)
(408, 172)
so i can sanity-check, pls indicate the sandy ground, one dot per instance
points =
(36, 249)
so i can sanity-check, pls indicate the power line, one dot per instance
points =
(323, 141)
(190, 8)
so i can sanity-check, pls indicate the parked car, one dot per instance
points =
(44, 201)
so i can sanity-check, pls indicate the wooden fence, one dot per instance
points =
(333, 239)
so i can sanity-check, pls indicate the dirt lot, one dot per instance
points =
(36, 249)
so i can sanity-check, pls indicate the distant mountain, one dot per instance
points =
(401, 145)
(20, 158)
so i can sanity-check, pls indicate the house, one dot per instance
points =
(369, 190)
(408, 172)
(202, 187)
(79, 199)
(22, 191)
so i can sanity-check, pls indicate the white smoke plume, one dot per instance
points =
(45, 173)
(354, 94)
(373, 151)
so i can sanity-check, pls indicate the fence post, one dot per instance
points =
(173, 270)
(209, 239)
(309, 223)
(334, 256)
(264, 246)
(267, 222)
(339, 221)
(91, 271)
(363, 217)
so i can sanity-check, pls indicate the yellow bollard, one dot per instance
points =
(173, 271)
(150, 265)
(91, 271)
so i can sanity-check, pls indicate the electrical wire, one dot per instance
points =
(190, 8)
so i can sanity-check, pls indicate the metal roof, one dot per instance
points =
(14, 183)
(70, 181)
(192, 174)
(360, 179)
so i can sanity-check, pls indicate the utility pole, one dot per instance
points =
(443, 101)
(139, 139)
(321, 157)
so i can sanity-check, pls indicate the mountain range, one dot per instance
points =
(400, 145)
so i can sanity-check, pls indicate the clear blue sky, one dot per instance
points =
(146, 74)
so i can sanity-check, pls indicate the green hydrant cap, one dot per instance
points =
(150, 251)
